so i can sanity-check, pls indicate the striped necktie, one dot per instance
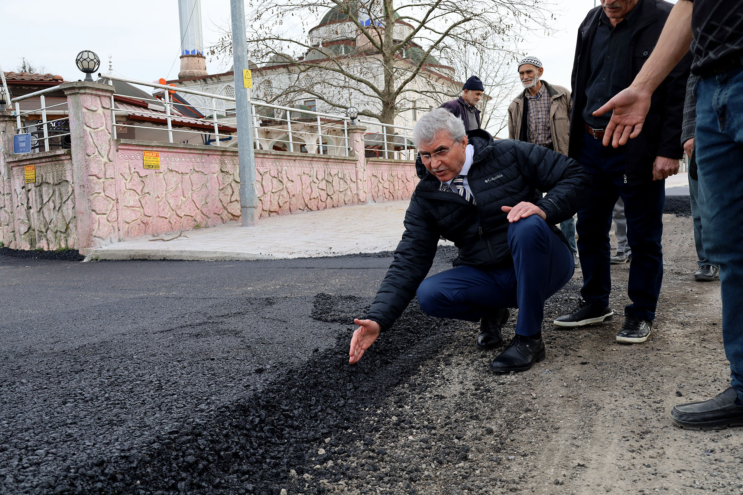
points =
(458, 185)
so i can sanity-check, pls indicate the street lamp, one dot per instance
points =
(88, 62)
(352, 113)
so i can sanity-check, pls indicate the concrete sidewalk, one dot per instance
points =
(334, 232)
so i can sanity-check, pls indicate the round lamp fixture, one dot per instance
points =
(88, 62)
(352, 113)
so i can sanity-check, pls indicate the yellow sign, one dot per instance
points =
(247, 78)
(151, 160)
(29, 171)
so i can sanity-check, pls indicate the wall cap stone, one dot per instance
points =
(85, 87)
(18, 160)
(304, 156)
(386, 161)
(133, 143)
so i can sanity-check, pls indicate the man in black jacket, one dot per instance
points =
(614, 42)
(465, 107)
(482, 195)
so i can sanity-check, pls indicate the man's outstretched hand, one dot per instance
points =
(630, 107)
(363, 338)
(523, 210)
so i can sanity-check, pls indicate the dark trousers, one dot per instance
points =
(643, 206)
(719, 149)
(542, 265)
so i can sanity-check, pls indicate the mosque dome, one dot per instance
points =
(336, 14)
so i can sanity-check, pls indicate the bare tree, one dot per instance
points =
(27, 66)
(429, 38)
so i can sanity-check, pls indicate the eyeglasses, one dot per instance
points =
(426, 157)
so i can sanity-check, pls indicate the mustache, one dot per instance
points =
(614, 5)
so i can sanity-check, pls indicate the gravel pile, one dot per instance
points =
(678, 205)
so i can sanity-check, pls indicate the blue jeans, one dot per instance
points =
(697, 219)
(643, 208)
(542, 265)
(719, 149)
(568, 230)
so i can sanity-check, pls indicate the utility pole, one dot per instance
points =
(243, 108)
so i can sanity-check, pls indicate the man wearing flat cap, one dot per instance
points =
(465, 107)
(541, 115)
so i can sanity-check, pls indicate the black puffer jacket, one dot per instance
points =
(503, 173)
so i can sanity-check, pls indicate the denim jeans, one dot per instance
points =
(568, 230)
(719, 154)
(542, 265)
(643, 207)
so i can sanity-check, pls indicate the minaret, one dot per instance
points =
(193, 62)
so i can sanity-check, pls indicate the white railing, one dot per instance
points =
(386, 143)
(53, 131)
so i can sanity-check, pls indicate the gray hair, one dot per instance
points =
(437, 120)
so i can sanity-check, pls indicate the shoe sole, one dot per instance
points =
(619, 262)
(705, 279)
(582, 323)
(633, 340)
(539, 359)
(712, 425)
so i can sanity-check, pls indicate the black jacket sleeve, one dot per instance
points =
(560, 177)
(413, 258)
(673, 110)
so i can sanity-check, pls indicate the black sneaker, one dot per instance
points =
(707, 273)
(620, 258)
(634, 330)
(585, 314)
(720, 412)
(490, 330)
(520, 355)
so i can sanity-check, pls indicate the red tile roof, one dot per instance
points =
(25, 76)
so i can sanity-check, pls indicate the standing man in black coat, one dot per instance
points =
(482, 195)
(614, 42)
(465, 107)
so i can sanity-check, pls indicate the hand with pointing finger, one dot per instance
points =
(363, 338)
(523, 210)
(630, 108)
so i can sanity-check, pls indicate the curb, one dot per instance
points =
(175, 255)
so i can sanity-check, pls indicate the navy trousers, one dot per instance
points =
(542, 265)
(643, 207)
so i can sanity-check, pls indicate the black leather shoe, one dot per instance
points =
(707, 273)
(520, 355)
(634, 330)
(585, 314)
(720, 412)
(490, 330)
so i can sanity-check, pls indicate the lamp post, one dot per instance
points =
(352, 113)
(87, 62)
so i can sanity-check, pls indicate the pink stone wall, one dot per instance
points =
(292, 182)
(39, 215)
(195, 187)
(390, 180)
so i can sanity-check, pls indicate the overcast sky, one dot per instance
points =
(143, 36)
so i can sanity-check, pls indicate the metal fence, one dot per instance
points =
(212, 117)
(53, 133)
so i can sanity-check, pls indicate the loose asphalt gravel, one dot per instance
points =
(165, 377)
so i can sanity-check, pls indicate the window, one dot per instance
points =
(229, 91)
(311, 104)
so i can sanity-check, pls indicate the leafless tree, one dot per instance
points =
(470, 36)
(27, 66)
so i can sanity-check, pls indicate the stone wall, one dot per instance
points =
(390, 180)
(39, 215)
(196, 186)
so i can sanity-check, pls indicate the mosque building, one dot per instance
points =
(335, 39)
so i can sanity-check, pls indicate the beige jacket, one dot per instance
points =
(560, 107)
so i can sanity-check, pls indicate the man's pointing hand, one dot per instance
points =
(630, 107)
(363, 338)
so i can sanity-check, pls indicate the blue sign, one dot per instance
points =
(21, 144)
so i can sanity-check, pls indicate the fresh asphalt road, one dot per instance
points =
(99, 357)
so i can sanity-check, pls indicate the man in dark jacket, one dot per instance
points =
(482, 195)
(465, 107)
(614, 42)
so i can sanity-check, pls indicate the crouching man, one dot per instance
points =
(481, 194)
